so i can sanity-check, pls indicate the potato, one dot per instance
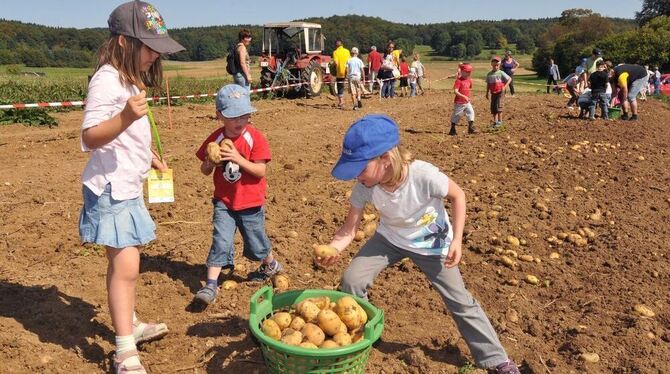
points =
(360, 235)
(356, 337)
(297, 323)
(227, 144)
(329, 344)
(344, 302)
(513, 241)
(343, 328)
(332, 306)
(343, 339)
(291, 337)
(370, 228)
(313, 334)
(369, 217)
(323, 251)
(321, 302)
(229, 285)
(362, 315)
(309, 311)
(644, 310)
(280, 282)
(271, 329)
(213, 154)
(532, 279)
(308, 345)
(329, 322)
(282, 319)
(350, 317)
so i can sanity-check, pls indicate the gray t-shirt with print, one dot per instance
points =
(413, 217)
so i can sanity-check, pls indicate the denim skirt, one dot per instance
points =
(115, 223)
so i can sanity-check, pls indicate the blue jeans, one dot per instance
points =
(635, 89)
(241, 80)
(600, 98)
(387, 88)
(250, 222)
(413, 89)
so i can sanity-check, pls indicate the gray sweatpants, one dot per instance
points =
(378, 253)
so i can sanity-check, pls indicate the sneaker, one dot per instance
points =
(624, 117)
(472, 130)
(360, 104)
(355, 107)
(207, 294)
(121, 368)
(452, 132)
(633, 117)
(570, 107)
(150, 332)
(507, 367)
(592, 118)
(265, 271)
(497, 125)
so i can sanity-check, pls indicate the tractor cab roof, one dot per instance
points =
(284, 25)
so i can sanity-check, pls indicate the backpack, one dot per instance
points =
(231, 61)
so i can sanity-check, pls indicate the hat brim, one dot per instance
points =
(163, 45)
(234, 113)
(346, 170)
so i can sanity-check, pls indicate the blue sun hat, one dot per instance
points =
(366, 139)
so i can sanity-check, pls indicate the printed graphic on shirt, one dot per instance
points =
(434, 233)
(231, 172)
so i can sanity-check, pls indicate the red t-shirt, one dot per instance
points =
(404, 68)
(463, 85)
(232, 185)
(375, 60)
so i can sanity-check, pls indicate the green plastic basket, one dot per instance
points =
(283, 358)
(614, 113)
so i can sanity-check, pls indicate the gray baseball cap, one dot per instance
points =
(142, 21)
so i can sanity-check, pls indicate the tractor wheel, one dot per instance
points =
(266, 81)
(313, 75)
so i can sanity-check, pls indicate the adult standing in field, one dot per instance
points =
(340, 57)
(420, 72)
(386, 72)
(554, 75)
(374, 64)
(509, 66)
(629, 78)
(242, 75)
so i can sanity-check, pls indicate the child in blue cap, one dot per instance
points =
(409, 195)
(239, 190)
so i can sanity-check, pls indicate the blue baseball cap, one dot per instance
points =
(234, 101)
(366, 139)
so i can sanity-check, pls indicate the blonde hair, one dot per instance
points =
(399, 157)
(126, 59)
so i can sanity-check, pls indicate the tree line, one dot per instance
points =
(565, 39)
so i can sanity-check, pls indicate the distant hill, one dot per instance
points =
(37, 45)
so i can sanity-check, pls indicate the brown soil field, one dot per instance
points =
(546, 175)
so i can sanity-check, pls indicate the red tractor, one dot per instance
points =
(292, 56)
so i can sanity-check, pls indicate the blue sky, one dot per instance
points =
(183, 13)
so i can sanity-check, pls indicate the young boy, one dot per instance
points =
(462, 104)
(496, 83)
(356, 76)
(584, 102)
(420, 73)
(598, 83)
(404, 72)
(239, 190)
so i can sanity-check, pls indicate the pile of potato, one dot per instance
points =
(214, 150)
(318, 323)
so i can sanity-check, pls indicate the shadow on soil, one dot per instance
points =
(55, 318)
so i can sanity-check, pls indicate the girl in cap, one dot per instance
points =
(409, 195)
(116, 133)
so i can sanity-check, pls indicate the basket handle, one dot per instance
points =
(374, 328)
(266, 293)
